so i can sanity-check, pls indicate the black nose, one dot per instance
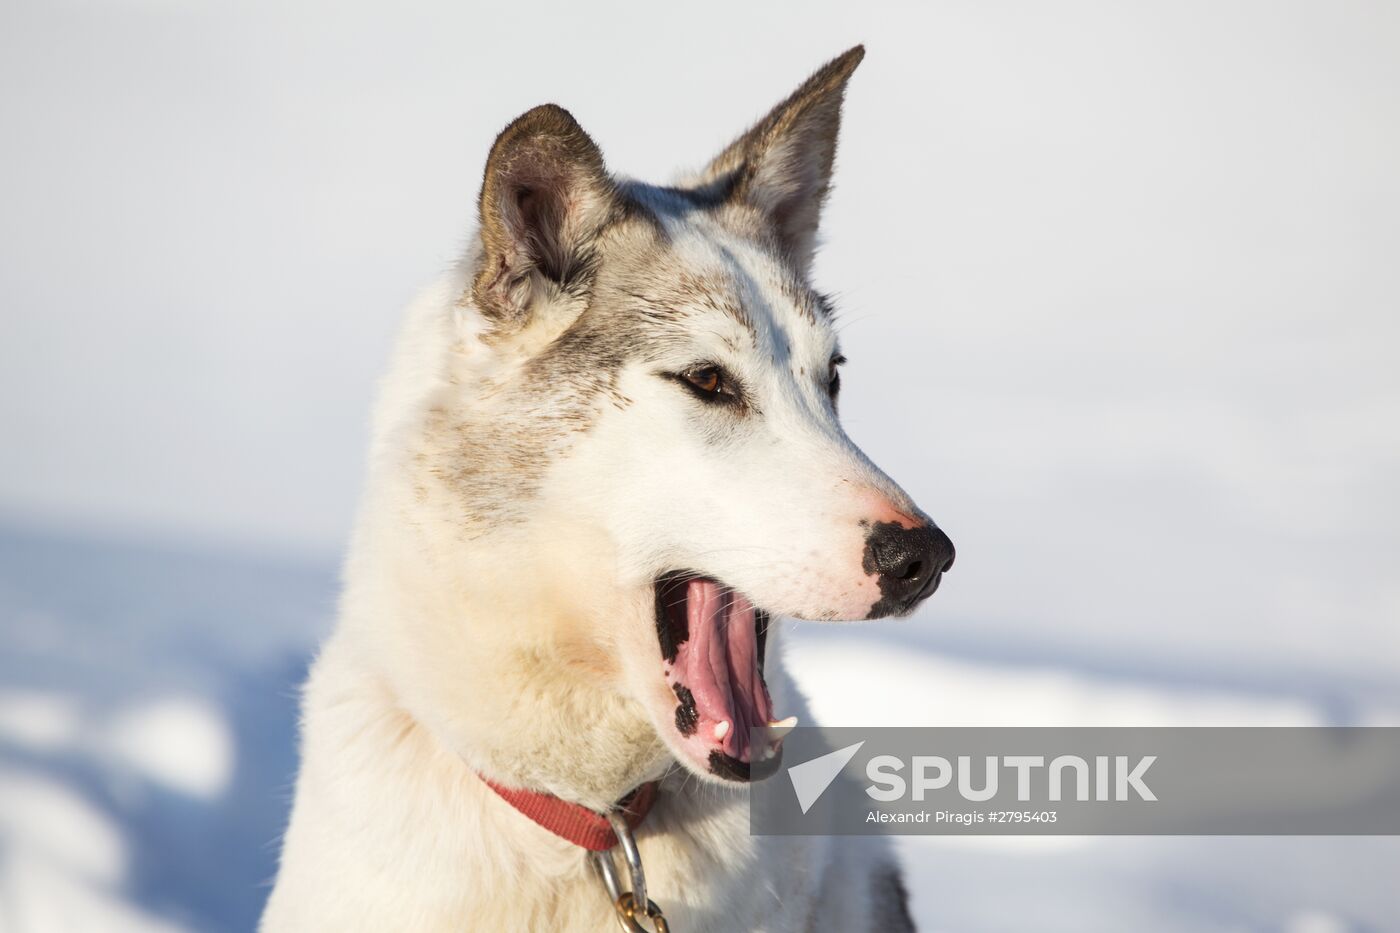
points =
(909, 561)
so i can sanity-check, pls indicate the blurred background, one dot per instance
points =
(1118, 284)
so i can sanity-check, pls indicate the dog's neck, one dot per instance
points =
(499, 658)
(441, 673)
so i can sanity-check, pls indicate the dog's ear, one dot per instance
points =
(545, 196)
(782, 166)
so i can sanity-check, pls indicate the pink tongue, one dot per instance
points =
(718, 663)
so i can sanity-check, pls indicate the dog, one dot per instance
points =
(607, 455)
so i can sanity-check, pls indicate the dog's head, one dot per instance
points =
(650, 396)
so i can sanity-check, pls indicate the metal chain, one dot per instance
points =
(632, 906)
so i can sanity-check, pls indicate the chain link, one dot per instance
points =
(632, 906)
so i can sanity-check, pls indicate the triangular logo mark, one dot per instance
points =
(811, 778)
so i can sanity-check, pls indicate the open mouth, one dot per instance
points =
(712, 642)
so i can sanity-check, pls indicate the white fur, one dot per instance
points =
(517, 639)
(392, 829)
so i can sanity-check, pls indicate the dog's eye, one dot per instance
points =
(710, 383)
(833, 382)
(707, 379)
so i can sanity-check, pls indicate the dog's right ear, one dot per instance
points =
(545, 196)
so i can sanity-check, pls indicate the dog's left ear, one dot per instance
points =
(783, 165)
(544, 198)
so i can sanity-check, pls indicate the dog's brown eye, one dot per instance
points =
(711, 384)
(708, 380)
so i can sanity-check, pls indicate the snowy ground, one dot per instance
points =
(147, 743)
(146, 731)
(1285, 884)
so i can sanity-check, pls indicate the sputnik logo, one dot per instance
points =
(811, 778)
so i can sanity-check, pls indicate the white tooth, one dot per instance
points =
(721, 728)
(770, 750)
(782, 727)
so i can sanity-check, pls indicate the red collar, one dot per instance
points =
(575, 822)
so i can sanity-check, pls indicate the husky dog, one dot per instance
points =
(607, 454)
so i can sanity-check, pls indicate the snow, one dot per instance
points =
(39, 719)
(854, 683)
(181, 743)
(37, 896)
(1078, 883)
(54, 825)
(62, 861)
(147, 728)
